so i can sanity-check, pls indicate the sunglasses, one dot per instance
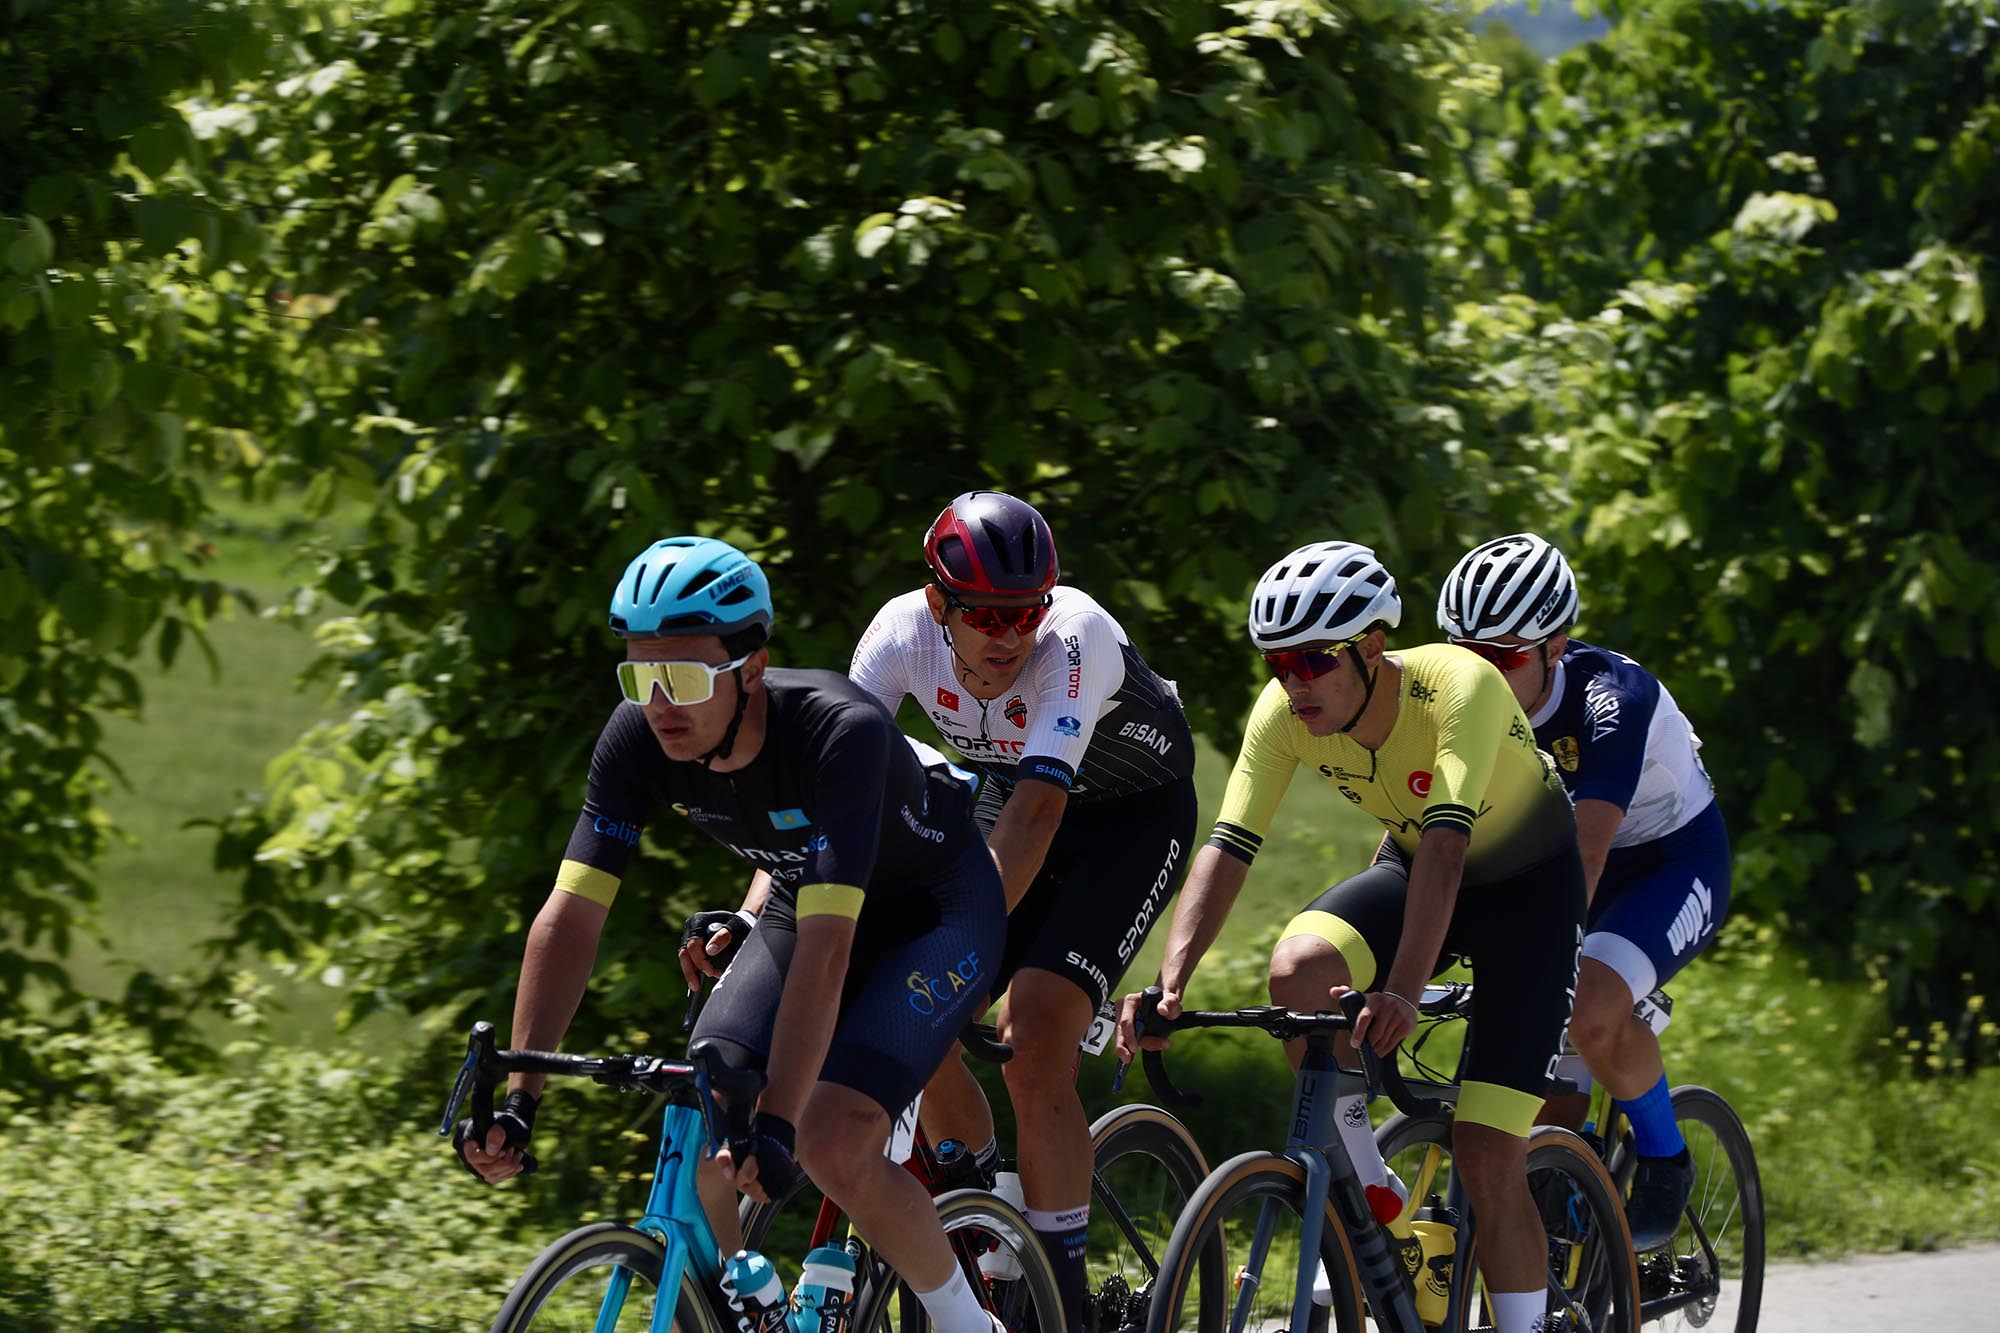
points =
(1306, 663)
(1506, 656)
(996, 620)
(683, 683)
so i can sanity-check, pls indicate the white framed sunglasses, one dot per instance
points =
(683, 683)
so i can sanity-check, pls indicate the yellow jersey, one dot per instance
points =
(1459, 755)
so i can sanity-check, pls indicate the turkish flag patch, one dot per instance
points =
(946, 699)
(1420, 783)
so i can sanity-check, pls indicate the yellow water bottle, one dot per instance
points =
(1438, 1234)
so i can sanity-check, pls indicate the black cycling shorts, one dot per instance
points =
(919, 970)
(1112, 867)
(1520, 934)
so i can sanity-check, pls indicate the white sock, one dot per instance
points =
(1519, 1311)
(1358, 1136)
(954, 1309)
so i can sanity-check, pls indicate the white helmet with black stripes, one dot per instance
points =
(1518, 584)
(1324, 593)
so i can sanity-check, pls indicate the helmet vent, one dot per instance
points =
(740, 593)
(698, 582)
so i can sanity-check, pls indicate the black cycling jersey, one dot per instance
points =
(836, 803)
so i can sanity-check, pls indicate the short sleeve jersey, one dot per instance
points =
(834, 805)
(1460, 755)
(1086, 713)
(1617, 735)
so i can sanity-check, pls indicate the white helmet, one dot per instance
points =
(1517, 584)
(1327, 592)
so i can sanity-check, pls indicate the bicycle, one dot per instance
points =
(1313, 1181)
(1714, 1266)
(611, 1275)
(1144, 1166)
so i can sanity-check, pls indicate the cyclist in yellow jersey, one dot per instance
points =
(1479, 858)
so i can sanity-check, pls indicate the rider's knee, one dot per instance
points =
(1302, 970)
(1603, 1007)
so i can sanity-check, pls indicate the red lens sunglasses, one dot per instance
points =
(1306, 663)
(996, 620)
(1506, 656)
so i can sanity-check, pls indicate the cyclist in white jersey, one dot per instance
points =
(1088, 798)
(1655, 850)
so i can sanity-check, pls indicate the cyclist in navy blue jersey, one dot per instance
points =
(880, 934)
(1655, 851)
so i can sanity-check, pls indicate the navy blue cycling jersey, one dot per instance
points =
(836, 803)
(1617, 735)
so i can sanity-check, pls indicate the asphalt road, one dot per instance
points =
(1951, 1289)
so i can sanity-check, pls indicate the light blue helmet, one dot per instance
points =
(694, 585)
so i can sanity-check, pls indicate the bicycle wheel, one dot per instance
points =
(1250, 1209)
(566, 1288)
(975, 1222)
(1146, 1168)
(1712, 1274)
(1592, 1280)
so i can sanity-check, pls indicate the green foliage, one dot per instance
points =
(1732, 279)
(129, 356)
(584, 274)
(260, 1194)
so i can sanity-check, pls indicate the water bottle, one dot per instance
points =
(755, 1294)
(823, 1301)
(998, 1264)
(1438, 1233)
(959, 1167)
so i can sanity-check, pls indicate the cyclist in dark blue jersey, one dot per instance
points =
(1655, 851)
(880, 934)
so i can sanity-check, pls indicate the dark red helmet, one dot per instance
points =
(986, 542)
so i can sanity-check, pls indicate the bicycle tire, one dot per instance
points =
(1716, 1138)
(1250, 1175)
(1030, 1303)
(1609, 1301)
(1120, 1133)
(606, 1246)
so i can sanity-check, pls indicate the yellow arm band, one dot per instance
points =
(829, 900)
(600, 886)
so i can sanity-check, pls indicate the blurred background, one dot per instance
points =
(349, 350)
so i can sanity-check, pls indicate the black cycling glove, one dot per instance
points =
(701, 925)
(516, 1118)
(772, 1142)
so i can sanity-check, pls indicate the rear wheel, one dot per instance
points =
(1712, 1273)
(1146, 1168)
(1592, 1281)
(599, 1277)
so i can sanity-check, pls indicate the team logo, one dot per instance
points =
(946, 699)
(1069, 726)
(1017, 711)
(789, 819)
(1566, 753)
(1351, 794)
(1420, 783)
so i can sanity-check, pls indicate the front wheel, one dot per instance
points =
(600, 1277)
(976, 1223)
(1249, 1211)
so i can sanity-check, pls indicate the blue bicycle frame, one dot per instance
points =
(674, 1216)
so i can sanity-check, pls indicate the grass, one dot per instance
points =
(200, 745)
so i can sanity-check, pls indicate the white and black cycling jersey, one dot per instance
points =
(1086, 713)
